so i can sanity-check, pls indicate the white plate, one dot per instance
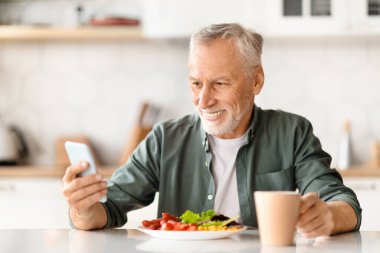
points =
(190, 235)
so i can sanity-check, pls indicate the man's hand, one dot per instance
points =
(83, 194)
(319, 218)
(316, 218)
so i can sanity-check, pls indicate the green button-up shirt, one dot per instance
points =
(281, 153)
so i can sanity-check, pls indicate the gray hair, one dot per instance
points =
(248, 42)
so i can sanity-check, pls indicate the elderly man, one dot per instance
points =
(219, 157)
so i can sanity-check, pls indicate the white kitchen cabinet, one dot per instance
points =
(368, 193)
(32, 203)
(38, 203)
(272, 18)
(364, 16)
(304, 17)
(321, 17)
(172, 18)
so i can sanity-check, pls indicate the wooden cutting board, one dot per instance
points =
(61, 158)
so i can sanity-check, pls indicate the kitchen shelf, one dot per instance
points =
(45, 171)
(25, 33)
(360, 172)
(58, 171)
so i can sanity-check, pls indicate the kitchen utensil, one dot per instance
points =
(147, 117)
(375, 155)
(13, 146)
(345, 148)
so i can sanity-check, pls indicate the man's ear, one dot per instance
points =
(259, 80)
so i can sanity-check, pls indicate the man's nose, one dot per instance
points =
(206, 97)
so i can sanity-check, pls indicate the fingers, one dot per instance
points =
(315, 218)
(322, 230)
(74, 170)
(86, 192)
(308, 200)
(306, 226)
(84, 204)
(82, 192)
(80, 182)
(82, 196)
(308, 209)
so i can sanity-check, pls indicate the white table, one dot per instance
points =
(131, 241)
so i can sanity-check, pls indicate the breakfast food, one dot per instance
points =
(190, 221)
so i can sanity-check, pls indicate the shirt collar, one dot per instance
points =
(254, 123)
(205, 142)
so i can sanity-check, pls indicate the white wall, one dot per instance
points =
(58, 88)
(327, 80)
(53, 89)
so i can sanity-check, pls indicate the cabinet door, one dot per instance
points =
(365, 16)
(305, 17)
(39, 203)
(368, 193)
(173, 18)
(32, 203)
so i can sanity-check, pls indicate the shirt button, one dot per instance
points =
(210, 197)
(206, 163)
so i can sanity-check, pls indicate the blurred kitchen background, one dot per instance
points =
(84, 68)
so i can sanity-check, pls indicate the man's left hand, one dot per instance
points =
(316, 217)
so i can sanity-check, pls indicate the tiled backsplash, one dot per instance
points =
(328, 81)
(50, 89)
(62, 89)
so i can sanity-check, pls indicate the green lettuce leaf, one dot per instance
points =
(189, 217)
(193, 218)
(207, 215)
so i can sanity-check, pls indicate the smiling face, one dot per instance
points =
(222, 92)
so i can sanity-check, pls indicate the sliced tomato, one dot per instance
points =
(146, 223)
(192, 227)
(184, 226)
(167, 226)
(154, 226)
(177, 226)
(168, 216)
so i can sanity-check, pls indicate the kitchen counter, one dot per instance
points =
(28, 33)
(45, 171)
(360, 172)
(131, 241)
(58, 171)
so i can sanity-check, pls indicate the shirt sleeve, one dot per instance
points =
(313, 172)
(135, 183)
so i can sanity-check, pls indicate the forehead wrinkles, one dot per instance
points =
(213, 62)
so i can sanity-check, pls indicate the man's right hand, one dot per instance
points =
(83, 194)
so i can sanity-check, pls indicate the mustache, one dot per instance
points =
(211, 109)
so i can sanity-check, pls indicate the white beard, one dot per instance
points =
(218, 129)
(230, 124)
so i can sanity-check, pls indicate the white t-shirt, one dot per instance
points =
(224, 153)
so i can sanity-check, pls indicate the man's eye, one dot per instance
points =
(220, 84)
(196, 83)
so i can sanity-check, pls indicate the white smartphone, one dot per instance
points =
(79, 152)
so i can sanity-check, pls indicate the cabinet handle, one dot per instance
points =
(367, 187)
(7, 188)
